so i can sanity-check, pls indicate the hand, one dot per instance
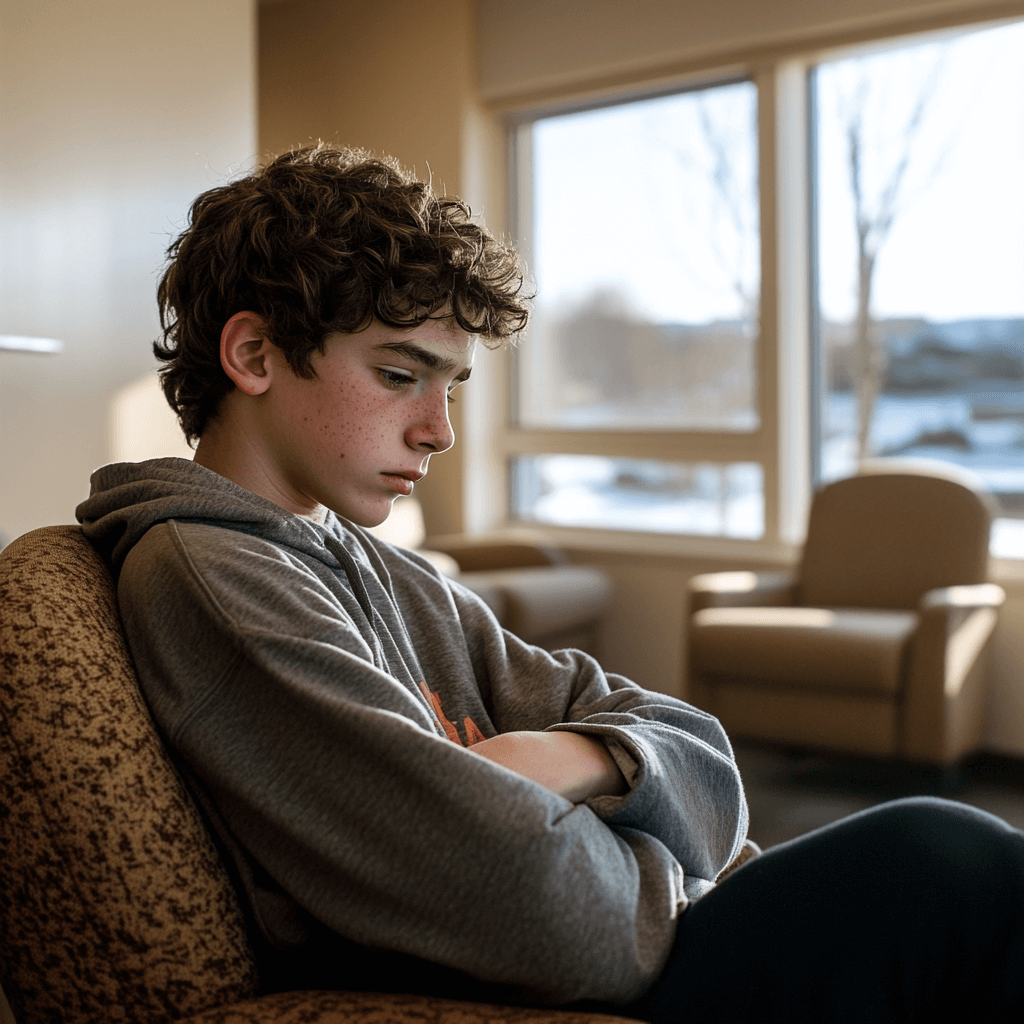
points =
(570, 764)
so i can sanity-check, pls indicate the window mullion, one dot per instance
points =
(768, 338)
(792, 288)
(668, 445)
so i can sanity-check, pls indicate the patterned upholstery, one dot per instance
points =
(113, 900)
(114, 904)
(373, 1008)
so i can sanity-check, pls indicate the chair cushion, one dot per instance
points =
(850, 649)
(114, 903)
(539, 603)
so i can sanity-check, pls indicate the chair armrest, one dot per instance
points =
(949, 599)
(483, 555)
(948, 616)
(741, 590)
(444, 564)
(944, 700)
(749, 852)
(540, 603)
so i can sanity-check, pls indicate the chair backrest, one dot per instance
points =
(884, 538)
(114, 903)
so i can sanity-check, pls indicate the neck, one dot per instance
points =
(230, 450)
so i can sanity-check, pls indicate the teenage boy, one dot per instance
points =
(384, 762)
(411, 797)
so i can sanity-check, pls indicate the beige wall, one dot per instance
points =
(536, 48)
(368, 73)
(114, 114)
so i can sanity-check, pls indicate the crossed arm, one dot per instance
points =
(570, 764)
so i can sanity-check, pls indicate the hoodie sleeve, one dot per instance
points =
(330, 774)
(684, 786)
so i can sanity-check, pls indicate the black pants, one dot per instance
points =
(913, 910)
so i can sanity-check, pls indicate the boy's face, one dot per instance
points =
(360, 433)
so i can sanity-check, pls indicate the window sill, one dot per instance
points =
(655, 545)
(1007, 572)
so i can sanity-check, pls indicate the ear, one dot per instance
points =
(244, 350)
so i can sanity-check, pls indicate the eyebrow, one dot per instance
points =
(424, 357)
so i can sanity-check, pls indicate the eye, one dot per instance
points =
(395, 378)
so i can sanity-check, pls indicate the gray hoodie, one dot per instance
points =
(319, 689)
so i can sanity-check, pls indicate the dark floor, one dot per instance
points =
(792, 792)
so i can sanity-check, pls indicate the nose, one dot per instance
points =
(431, 429)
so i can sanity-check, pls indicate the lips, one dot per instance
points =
(403, 481)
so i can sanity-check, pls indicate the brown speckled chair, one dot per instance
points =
(114, 904)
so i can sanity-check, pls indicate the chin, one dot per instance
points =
(368, 518)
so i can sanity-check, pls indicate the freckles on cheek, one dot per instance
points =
(321, 431)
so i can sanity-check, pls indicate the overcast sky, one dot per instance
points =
(626, 200)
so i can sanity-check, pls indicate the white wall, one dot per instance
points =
(114, 115)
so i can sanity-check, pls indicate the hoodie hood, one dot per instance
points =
(128, 498)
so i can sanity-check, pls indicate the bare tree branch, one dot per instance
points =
(723, 177)
(873, 223)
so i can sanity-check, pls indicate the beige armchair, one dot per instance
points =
(876, 644)
(114, 903)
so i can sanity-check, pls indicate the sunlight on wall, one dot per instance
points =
(142, 425)
(116, 115)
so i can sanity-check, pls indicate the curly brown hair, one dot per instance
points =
(320, 241)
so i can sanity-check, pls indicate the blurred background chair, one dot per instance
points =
(876, 644)
(527, 582)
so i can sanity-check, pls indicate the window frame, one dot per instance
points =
(787, 357)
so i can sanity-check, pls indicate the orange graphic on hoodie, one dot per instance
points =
(473, 734)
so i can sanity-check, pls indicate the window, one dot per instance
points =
(643, 235)
(641, 494)
(692, 369)
(920, 172)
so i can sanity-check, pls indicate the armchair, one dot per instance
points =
(876, 643)
(114, 903)
(529, 585)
